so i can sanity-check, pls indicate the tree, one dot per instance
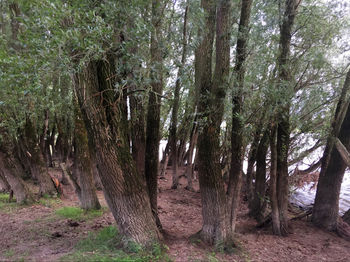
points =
(124, 188)
(326, 208)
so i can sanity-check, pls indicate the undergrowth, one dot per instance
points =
(106, 246)
(77, 213)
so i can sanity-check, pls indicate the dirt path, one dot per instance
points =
(36, 233)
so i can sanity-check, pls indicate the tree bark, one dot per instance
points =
(153, 114)
(326, 208)
(257, 207)
(283, 125)
(235, 178)
(83, 166)
(216, 225)
(176, 101)
(124, 188)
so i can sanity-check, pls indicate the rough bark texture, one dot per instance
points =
(216, 226)
(9, 172)
(326, 208)
(283, 126)
(153, 114)
(124, 188)
(235, 178)
(82, 166)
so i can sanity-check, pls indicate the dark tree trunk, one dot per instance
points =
(283, 129)
(189, 167)
(346, 217)
(9, 172)
(124, 188)
(138, 134)
(273, 182)
(257, 206)
(83, 166)
(173, 127)
(216, 225)
(153, 114)
(326, 208)
(38, 167)
(237, 147)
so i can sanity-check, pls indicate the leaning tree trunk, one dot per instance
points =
(9, 172)
(83, 166)
(124, 188)
(153, 114)
(326, 208)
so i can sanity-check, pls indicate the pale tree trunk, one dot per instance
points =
(153, 114)
(124, 188)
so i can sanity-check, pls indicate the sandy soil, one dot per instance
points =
(35, 233)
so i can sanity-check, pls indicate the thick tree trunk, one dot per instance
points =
(138, 134)
(124, 188)
(83, 166)
(235, 179)
(326, 208)
(216, 225)
(153, 114)
(257, 206)
(9, 173)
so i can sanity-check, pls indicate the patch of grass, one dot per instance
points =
(49, 201)
(9, 253)
(77, 213)
(106, 246)
(6, 206)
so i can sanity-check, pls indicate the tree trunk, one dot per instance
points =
(346, 217)
(276, 228)
(38, 167)
(138, 134)
(283, 129)
(176, 101)
(235, 178)
(189, 167)
(326, 208)
(9, 172)
(83, 167)
(216, 225)
(124, 188)
(257, 207)
(153, 115)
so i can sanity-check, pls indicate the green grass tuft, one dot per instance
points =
(77, 213)
(106, 246)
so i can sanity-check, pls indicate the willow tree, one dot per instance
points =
(326, 209)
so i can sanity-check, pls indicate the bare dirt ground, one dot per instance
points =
(36, 233)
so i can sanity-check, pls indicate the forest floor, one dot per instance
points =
(41, 232)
